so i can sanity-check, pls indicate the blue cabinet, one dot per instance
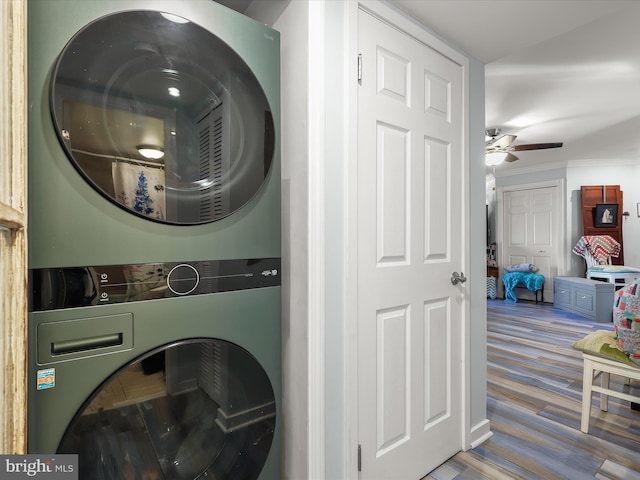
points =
(590, 298)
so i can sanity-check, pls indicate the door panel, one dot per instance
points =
(437, 206)
(436, 366)
(392, 185)
(410, 214)
(393, 394)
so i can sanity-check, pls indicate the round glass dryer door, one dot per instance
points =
(162, 117)
(196, 409)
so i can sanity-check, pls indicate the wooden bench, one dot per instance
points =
(595, 366)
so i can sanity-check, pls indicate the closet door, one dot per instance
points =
(593, 195)
(532, 232)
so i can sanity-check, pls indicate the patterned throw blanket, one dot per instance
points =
(533, 282)
(600, 247)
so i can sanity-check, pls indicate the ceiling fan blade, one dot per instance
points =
(510, 158)
(504, 141)
(535, 146)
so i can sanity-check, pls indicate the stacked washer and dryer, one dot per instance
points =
(154, 239)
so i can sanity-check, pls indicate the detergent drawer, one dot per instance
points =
(80, 338)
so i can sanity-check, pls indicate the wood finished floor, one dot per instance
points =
(534, 402)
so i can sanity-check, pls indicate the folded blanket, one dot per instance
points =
(521, 267)
(601, 247)
(533, 282)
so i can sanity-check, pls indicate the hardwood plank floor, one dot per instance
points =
(534, 403)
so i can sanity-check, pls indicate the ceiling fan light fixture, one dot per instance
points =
(491, 133)
(495, 158)
(150, 151)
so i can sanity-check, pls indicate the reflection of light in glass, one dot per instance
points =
(204, 183)
(173, 132)
(174, 18)
(173, 91)
(151, 152)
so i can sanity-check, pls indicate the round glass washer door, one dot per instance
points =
(200, 408)
(162, 117)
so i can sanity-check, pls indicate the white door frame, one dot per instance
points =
(560, 212)
(316, 402)
(400, 21)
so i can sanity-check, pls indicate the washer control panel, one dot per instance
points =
(68, 287)
(183, 279)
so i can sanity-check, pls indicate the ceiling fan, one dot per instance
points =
(498, 147)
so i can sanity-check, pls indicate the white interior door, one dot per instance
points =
(410, 241)
(531, 233)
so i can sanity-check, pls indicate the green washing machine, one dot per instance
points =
(154, 239)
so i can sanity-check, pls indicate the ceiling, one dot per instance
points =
(563, 71)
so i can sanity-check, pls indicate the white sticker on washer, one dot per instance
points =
(46, 378)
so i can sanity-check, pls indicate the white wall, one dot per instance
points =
(293, 28)
(478, 423)
(336, 162)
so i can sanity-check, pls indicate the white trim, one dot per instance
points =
(401, 21)
(556, 182)
(316, 233)
(351, 303)
(515, 169)
(480, 433)
(465, 218)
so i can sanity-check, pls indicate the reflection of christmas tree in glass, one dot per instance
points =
(142, 202)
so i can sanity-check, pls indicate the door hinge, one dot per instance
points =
(360, 68)
(359, 457)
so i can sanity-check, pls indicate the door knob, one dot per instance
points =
(457, 278)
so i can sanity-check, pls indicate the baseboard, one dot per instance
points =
(480, 433)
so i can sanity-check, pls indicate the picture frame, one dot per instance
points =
(606, 215)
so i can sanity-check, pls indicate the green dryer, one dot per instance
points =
(154, 239)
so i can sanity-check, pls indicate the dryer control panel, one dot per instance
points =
(68, 287)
